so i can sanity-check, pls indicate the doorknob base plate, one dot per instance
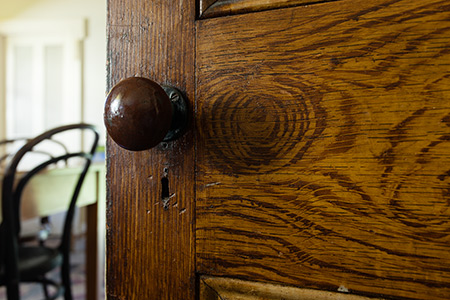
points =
(179, 113)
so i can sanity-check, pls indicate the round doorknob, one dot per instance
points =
(139, 113)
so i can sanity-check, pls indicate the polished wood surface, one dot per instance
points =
(218, 288)
(320, 159)
(150, 206)
(323, 147)
(217, 8)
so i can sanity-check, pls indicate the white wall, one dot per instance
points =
(94, 70)
(12, 8)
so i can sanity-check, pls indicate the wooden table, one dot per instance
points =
(46, 195)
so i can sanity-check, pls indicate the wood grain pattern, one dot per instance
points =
(217, 288)
(217, 8)
(150, 249)
(323, 147)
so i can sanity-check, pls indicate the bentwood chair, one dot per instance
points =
(8, 147)
(21, 263)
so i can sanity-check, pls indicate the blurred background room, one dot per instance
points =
(52, 73)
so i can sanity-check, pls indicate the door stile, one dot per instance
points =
(150, 242)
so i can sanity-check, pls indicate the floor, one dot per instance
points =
(34, 291)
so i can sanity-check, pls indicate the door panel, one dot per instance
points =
(323, 147)
(217, 288)
(216, 8)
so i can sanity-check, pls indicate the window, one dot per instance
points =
(41, 65)
(43, 76)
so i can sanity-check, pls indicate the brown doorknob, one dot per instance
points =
(139, 113)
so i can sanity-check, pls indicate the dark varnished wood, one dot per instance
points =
(323, 147)
(138, 113)
(216, 8)
(150, 241)
(322, 150)
(217, 288)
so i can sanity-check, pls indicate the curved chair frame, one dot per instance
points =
(11, 194)
(45, 220)
(10, 141)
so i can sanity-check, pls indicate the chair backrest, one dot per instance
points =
(8, 147)
(13, 185)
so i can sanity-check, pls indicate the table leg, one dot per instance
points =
(92, 252)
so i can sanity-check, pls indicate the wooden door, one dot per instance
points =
(317, 162)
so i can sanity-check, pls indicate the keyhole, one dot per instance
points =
(165, 194)
(165, 188)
